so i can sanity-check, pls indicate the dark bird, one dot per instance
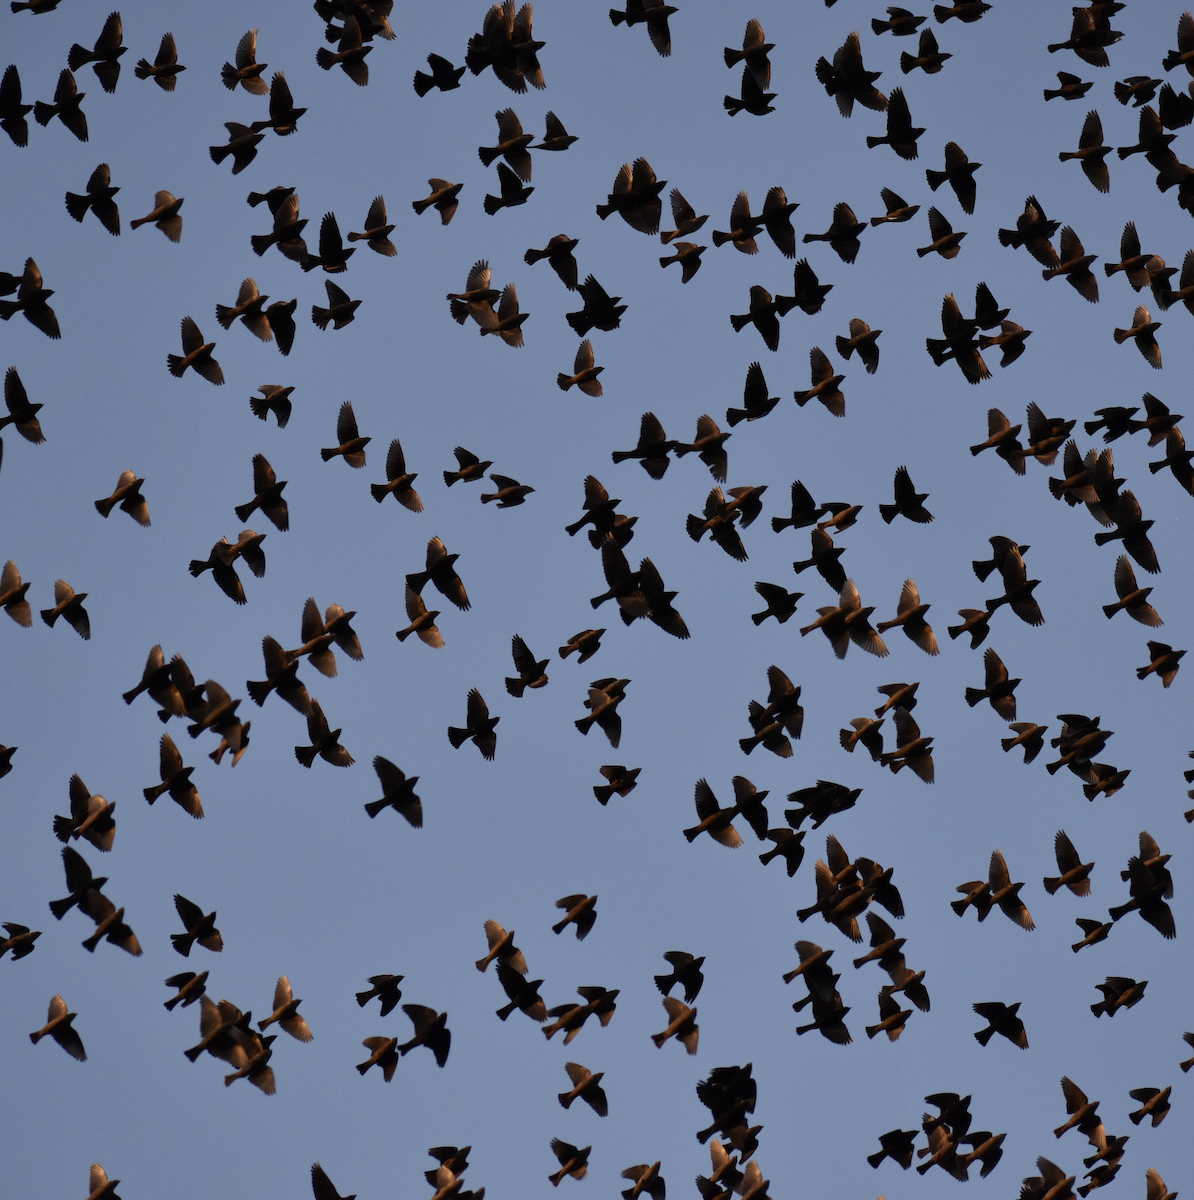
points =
(333, 256)
(756, 403)
(349, 54)
(91, 817)
(480, 727)
(530, 672)
(1018, 589)
(1028, 735)
(59, 1025)
(1075, 874)
(558, 253)
(31, 300)
(399, 483)
(998, 688)
(508, 46)
(397, 793)
(912, 749)
(652, 449)
(898, 209)
(685, 217)
(12, 111)
(804, 511)
(789, 846)
(901, 134)
(176, 780)
(686, 972)
(754, 53)
(196, 353)
(443, 75)
(585, 372)
(441, 571)
(513, 191)
(1118, 992)
(69, 605)
(267, 497)
(1002, 437)
(67, 107)
(847, 80)
(1001, 1019)
(896, 1144)
(751, 97)
(908, 501)
(958, 173)
(683, 1027)
(605, 695)
(826, 558)
(20, 940)
(199, 928)
(1132, 598)
(472, 469)
(340, 311)
(281, 675)
(1033, 231)
(384, 988)
(1164, 663)
(1143, 333)
(164, 215)
(165, 68)
(383, 1053)
(621, 780)
(242, 141)
(325, 742)
(862, 338)
(283, 115)
(507, 320)
(945, 241)
(585, 644)
(781, 604)
(191, 987)
(443, 198)
(929, 57)
(1132, 530)
(586, 1086)
(512, 145)
(523, 994)
(709, 445)
(654, 14)
(842, 234)
(287, 231)
(579, 910)
(635, 197)
(910, 616)
(556, 137)
(247, 71)
(321, 1185)
(810, 293)
(422, 621)
(352, 445)
(824, 384)
(572, 1161)
(600, 311)
(1075, 266)
(98, 198)
(1154, 1103)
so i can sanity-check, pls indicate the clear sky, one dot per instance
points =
(304, 883)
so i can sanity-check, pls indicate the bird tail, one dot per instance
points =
(487, 154)
(305, 754)
(218, 153)
(748, 743)
(259, 406)
(802, 398)
(564, 381)
(1101, 539)
(974, 695)
(603, 794)
(739, 321)
(63, 828)
(604, 210)
(907, 65)
(720, 239)
(844, 348)
(423, 83)
(325, 58)
(579, 321)
(259, 689)
(617, 18)
(983, 1036)
(77, 205)
(658, 1039)
(1051, 886)
(104, 507)
(49, 615)
(457, 736)
(936, 179)
(959, 906)
(261, 242)
(695, 527)
(182, 942)
(872, 142)
(43, 114)
(844, 736)
(373, 808)
(515, 685)
(225, 316)
(733, 105)
(889, 512)
(584, 725)
(321, 317)
(175, 363)
(61, 907)
(243, 511)
(492, 204)
(94, 940)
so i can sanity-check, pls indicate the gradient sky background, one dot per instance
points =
(303, 882)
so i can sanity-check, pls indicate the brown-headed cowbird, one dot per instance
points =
(579, 910)
(842, 234)
(325, 742)
(901, 134)
(683, 1027)
(91, 817)
(397, 793)
(399, 483)
(572, 1161)
(558, 253)
(824, 384)
(910, 616)
(60, 1027)
(1001, 1019)
(685, 217)
(341, 310)
(176, 780)
(443, 75)
(31, 300)
(1143, 333)
(929, 57)
(635, 197)
(349, 54)
(586, 1087)
(1075, 874)
(191, 987)
(586, 644)
(998, 688)
(912, 749)
(127, 495)
(98, 198)
(945, 241)
(846, 79)
(480, 727)
(68, 604)
(384, 988)
(247, 71)
(654, 14)
(443, 198)
(200, 927)
(196, 353)
(621, 780)
(1074, 264)
(601, 310)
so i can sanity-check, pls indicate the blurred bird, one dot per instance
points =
(586, 1087)
(683, 1027)
(600, 311)
(127, 495)
(247, 72)
(1071, 87)
(507, 321)
(910, 616)
(1075, 266)
(443, 75)
(397, 793)
(384, 988)
(480, 727)
(847, 80)
(190, 988)
(1164, 663)
(898, 209)
(572, 1161)
(383, 1053)
(635, 197)
(623, 781)
(654, 14)
(1028, 735)
(349, 54)
(91, 817)
(164, 215)
(862, 338)
(928, 57)
(31, 300)
(286, 1014)
(586, 644)
(1118, 992)
(579, 910)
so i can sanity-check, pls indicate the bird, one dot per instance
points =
(1001, 1019)
(1029, 735)
(422, 621)
(847, 80)
(908, 501)
(1143, 333)
(199, 928)
(285, 1013)
(59, 1025)
(862, 338)
(350, 53)
(31, 300)
(501, 947)
(383, 1053)
(686, 972)
(1154, 1103)
(600, 311)
(443, 75)
(333, 256)
(579, 910)
(572, 1161)
(20, 940)
(287, 231)
(586, 1086)
(1133, 599)
(556, 137)
(68, 604)
(128, 496)
(321, 1185)
(998, 688)
(585, 644)
(559, 255)
(842, 234)
(431, 1030)
(530, 672)
(384, 988)
(512, 145)
(912, 749)
(1075, 266)
(247, 71)
(176, 780)
(910, 616)
(341, 310)
(709, 446)
(67, 106)
(945, 241)
(751, 97)
(584, 372)
(472, 469)
(480, 727)
(325, 742)
(397, 793)
(929, 57)
(443, 198)
(267, 497)
(901, 135)
(513, 191)
(12, 111)
(352, 445)
(196, 353)
(165, 68)
(781, 604)
(164, 214)
(605, 695)
(507, 321)
(654, 14)
(824, 384)
(810, 293)
(399, 482)
(620, 780)
(283, 115)
(91, 818)
(959, 174)
(441, 570)
(1075, 874)
(1118, 992)
(1164, 663)
(191, 987)
(98, 198)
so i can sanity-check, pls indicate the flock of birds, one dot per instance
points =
(846, 889)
